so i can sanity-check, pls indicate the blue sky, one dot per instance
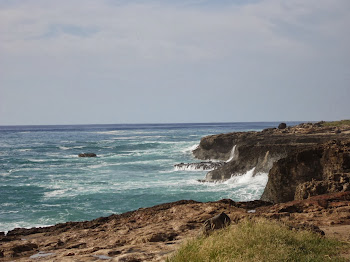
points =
(76, 62)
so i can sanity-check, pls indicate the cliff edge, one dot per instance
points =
(302, 161)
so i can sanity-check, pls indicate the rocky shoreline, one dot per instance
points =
(308, 187)
(302, 161)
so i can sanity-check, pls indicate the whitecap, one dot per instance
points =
(63, 147)
(24, 149)
(55, 193)
(36, 160)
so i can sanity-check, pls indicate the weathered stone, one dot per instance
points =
(304, 173)
(260, 150)
(217, 222)
(18, 249)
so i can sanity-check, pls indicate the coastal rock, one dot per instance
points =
(152, 234)
(165, 227)
(322, 169)
(87, 155)
(282, 126)
(217, 222)
(209, 165)
(259, 150)
(17, 250)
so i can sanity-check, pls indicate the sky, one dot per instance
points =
(115, 61)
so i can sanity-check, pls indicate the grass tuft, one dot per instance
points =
(259, 240)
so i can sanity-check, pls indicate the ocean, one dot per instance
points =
(43, 181)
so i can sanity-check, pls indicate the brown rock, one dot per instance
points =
(217, 222)
(18, 249)
(308, 172)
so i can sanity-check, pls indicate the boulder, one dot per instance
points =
(87, 155)
(217, 222)
(282, 126)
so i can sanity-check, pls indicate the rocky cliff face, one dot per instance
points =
(325, 168)
(260, 150)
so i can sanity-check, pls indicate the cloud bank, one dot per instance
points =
(159, 61)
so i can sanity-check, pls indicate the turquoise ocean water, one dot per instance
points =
(44, 182)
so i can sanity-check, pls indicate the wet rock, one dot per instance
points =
(209, 165)
(87, 155)
(217, 222)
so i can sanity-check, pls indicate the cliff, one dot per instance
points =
(302, 161)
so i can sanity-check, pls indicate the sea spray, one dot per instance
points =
(232, 154)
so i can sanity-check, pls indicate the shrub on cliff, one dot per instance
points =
(260, 240)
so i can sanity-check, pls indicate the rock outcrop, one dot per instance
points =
(325, 168)
(208, 165)
(260, 150)
(217, 222)
(152, 234)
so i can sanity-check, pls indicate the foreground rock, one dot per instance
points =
(151, 234)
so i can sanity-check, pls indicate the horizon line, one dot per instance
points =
(166, 123)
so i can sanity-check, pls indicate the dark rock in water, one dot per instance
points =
(210, 165)
(220, 221)
(282, 126)
(87, 155)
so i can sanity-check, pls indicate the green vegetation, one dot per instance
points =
(337, 123)
(260, 240)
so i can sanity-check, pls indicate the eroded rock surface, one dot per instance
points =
(324, 168)
(260, 150)
(151, 234)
